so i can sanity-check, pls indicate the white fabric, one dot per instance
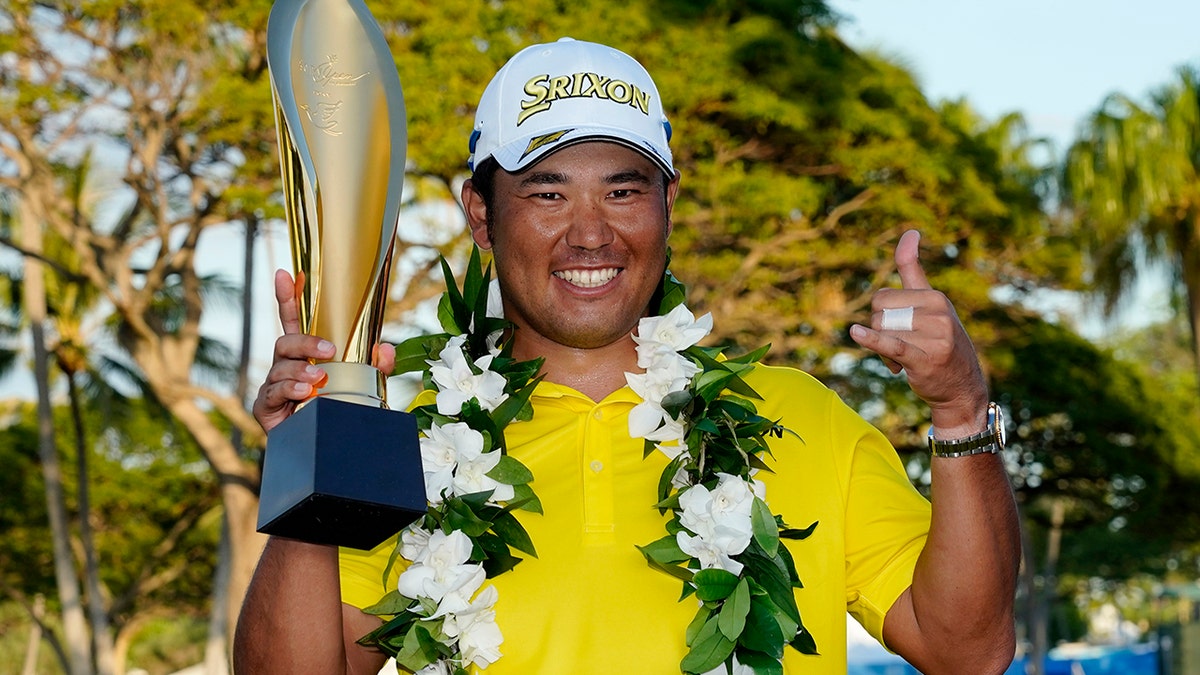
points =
(900, 318)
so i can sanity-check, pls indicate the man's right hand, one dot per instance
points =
(293, 378)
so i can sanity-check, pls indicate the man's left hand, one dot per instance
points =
(936, 353)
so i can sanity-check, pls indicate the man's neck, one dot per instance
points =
(595, 372)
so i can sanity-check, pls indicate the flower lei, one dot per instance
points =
(722, 541)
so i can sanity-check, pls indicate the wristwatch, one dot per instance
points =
(989, 440)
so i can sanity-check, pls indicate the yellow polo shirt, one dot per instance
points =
(589, 604)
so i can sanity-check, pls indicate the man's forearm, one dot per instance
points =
(292, 619)
(960, 605)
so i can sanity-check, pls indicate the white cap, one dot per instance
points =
(553, 95)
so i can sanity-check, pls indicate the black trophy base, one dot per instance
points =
(341, 473)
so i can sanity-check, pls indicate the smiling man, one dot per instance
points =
(572, 191)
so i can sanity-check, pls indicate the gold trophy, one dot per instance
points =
(343, 469)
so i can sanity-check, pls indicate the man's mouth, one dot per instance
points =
(588, 278)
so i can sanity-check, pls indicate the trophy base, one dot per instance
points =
(342, 474)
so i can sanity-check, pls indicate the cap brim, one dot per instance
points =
(517, 155)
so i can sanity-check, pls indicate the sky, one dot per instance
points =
(1052, 60)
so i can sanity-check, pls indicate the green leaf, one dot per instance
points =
(664, 479)
(514, 406)
(413, 352)
(732, 618)
(674, 293)
(714, 584)
(708, 651)
(791, 533)
(497, 557)
(665, 551)
(698, 621)
(510, 471)
(760, 663)
(773, 577)
(710, 383)
(766, 531)
(395, 555)
(390, 604)
(460, 516)
(513, 533)
(524, 495)
(804, 642)
(452, 309)
(752, 357)
(676, 402)
(419, 650)
(762, 631)
(473, 286)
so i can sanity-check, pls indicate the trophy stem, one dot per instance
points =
(354, 383)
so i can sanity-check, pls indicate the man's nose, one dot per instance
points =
(589, 227)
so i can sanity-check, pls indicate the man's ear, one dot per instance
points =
(476, 211)
(672, 190)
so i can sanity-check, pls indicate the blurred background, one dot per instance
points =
(1048, 152)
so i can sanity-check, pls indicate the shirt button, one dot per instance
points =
(599, 414)
(597, 466)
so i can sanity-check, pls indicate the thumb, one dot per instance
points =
(912, 275)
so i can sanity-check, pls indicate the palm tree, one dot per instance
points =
(1132, 181)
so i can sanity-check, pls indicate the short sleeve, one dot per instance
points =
(361, 573)
(887, 522)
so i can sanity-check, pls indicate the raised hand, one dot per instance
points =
(293, 377)
(935, 351)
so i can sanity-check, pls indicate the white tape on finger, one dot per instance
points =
(900, 318)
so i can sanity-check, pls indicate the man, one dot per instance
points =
(572, 192)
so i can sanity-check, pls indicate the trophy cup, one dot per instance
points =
(343, 469)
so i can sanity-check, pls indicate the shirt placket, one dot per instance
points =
(598, 474)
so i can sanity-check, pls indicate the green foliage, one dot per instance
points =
(154, 516)
(1096, 431)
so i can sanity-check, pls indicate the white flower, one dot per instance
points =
(475, 627)
(473, 465)
(495, 303)
(457, 383)
(671, 437)
(646, 416)
(681, 479)
(666, 375)
(435, 668)
(710, 554)
(445, 569)
(674, 331)
(443, 449)
(414, 543)
(721, 517)
(495, 310)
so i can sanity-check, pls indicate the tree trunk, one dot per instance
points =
(74, 624)
(245, 544)
(216, 647)
(1034, 664)
(1189, 264)
(221, 625)
(1049, 589)
(102, 637)
(35, 637)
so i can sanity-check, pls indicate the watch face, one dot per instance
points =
(997, 415)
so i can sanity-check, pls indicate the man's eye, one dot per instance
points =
(622, 193)
(546, 195)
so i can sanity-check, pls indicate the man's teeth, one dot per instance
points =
(587, 278)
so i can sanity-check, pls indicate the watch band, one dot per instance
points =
(990, 440)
